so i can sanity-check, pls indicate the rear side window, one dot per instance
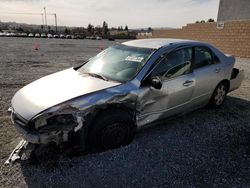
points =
(204, 57)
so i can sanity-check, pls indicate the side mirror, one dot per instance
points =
(156, 83)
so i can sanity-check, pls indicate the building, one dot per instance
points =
(234, 10)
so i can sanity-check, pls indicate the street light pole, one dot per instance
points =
(56, 21)
(45, 15)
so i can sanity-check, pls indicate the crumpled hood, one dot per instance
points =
(55, 89)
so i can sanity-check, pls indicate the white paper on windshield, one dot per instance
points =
(134, 58)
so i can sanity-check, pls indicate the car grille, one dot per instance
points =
(17, 119)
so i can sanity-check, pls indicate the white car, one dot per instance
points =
(50, 36)
(37, 35)
(43, 35)
(31, 35)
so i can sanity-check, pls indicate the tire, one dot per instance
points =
(219, 95)
(110, 130)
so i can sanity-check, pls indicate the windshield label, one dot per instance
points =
(135, 59)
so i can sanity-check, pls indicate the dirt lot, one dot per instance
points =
(206, 148)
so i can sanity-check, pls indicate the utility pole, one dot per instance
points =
(42, 22)
(45, 15)
(56, 22)
(42, 19)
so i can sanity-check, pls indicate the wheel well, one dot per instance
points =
(113, 108)
(227, 82)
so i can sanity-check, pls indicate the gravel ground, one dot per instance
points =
(206, 148)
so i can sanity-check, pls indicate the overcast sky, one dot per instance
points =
(134, 13)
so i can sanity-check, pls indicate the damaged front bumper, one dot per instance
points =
(36, 132)
(30, 136)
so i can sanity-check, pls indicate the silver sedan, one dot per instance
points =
(124, 88)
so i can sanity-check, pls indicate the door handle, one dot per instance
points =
(188, 83)
(217, 70)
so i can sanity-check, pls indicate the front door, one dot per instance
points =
(176, 92)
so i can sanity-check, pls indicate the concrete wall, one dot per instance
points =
(233, 39)
(231, 10)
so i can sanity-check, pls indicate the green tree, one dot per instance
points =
(126, 28)
(210, 20)
(67, 31)
(104, 29)
(90, 29)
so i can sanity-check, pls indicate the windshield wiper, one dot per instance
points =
(97, 76)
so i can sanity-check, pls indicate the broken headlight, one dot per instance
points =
(55, 121)
(63, 119)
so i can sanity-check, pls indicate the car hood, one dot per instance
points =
(55, 89)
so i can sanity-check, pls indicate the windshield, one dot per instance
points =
(119, 63)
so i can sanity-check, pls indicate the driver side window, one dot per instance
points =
(175, 64)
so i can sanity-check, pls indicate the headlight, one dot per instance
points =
(63, 119)
(55, 122)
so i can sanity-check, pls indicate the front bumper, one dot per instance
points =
(27, 134)
(57, 133)
(22, 127)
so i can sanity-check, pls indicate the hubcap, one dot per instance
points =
(220, 95)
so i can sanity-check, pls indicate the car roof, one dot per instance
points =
(157, 43)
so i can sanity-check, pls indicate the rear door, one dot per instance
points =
(178, 84)
(208, 73)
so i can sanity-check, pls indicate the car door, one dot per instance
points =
(207, 71)
(176, 92)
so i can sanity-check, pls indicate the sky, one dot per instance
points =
(134, 13)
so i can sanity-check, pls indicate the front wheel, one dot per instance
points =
(111, 130)
(219, 95)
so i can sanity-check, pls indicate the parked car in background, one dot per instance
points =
(98, 38)
(31, 35)
(24, 35)
(111, 39)
(37, 35)
(68, 37)
(43, 35)
(56, 36)
(2, 34)
(50, 36)
(62, 36)
(123, 89)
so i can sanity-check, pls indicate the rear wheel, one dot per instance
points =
(111, 130)
(219, 95)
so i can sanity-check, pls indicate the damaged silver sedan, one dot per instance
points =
(122, 89)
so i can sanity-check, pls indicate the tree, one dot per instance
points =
(150, 29)
(104, 29)
(98, 30)
(210, 20)
(126, 28)
(20, 29)
(121, 28)
(90, 29)
(202, 21)
(67, 31)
